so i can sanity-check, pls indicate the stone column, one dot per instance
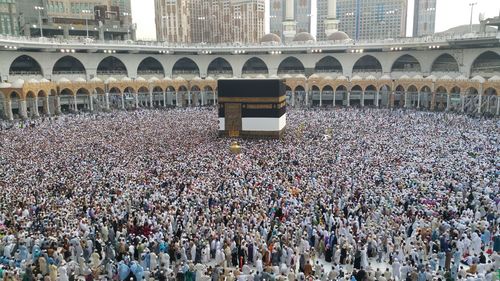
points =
(8, 110)
(23, 112)
(176, 99)
(418, 99)
(202, 93)
(433, 101)
(75, 103)
(46, 105)
(498, 105)
(91, 102)
(448, 100)
(392, 96)
(215, 103)
(320, 98)
(363, 98)
(136, 97)
(462, 100)
(406, 99)
(123, 100)
(151, 98)
(35, 109)
(334, 94)
(376, 98)
(293, 98)
(58, 104)
(189, 98)
(107, 100)
(164, 99)
(307, 98)
(480, 102)
(348, 98)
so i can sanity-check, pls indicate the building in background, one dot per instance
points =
(424, 17)
(98, 19)
(302, 16)
(209, 21)
(366, 19)
(8, 18)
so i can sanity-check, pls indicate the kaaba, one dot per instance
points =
(252, 108)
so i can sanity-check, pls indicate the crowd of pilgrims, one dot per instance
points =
(347, 194)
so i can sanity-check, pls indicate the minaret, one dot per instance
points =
(289, 24)
(331, 23)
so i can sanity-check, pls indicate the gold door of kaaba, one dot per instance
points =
(233, 119)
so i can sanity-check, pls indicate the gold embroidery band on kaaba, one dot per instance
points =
(254, 99)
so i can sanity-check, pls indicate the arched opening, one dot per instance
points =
(25, 66)
(255, 66)
(289, 95)
(115, 98)
(341, 96)
(445, 63)
(150, 67)
(2, 106)
(328, 64)
(471, 98)
(83, 101)
(111, 66)
(486, 65)
(327, 95)
(159, 99)
(144, 99)
(406, 63)
(370, 95)
(440, 99)
(130, 98)
(66, 101)
(15, 104)
(355, 96)
(399, 96)
(185, 66)
(31, 104)
(412, 93)
(489, 101)
(425, 97)
(171, 96)
(99, 99)
(68, 65)
(455, 99)
(291, 65)
(182, 98)
(316, 96)
(220, 66)
(300, 96)
(194, 96)
(367, 64)
(209, 96)
(384, 96)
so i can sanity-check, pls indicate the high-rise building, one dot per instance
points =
(209, 21)
(302, 16)
(366, 19)
(8, 18)
(103, 19)
(424, 17)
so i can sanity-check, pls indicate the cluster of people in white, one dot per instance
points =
(347, 194)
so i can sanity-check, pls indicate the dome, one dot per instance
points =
(287, 76)
(328, 78)
(314, 76)
(385, 77)
(300, 76)
(43, 80)
(342, 77)
(18, 83)
(197, 78)
(5, 85)
(126, 79)
(495, 78)
(261, 76)
(445, 77)
(166, 78)
(274, 76)
(461, 78)
(63, 80)
(338, 36)
(80, 79)
(356, 77)
(478, 78)
(209, 78)
(270, 38)
(179, 78)
(33, 81)
(418, 77)
(140, 79)
(370, 77)
(431, 77)
(153, 79)
(95, 79)
(303, 37)
(404, 77)
(109, 80)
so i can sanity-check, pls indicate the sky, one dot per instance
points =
(450, 13)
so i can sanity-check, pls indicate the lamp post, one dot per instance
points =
(40, 9)
(471, 11)
(87, 12)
